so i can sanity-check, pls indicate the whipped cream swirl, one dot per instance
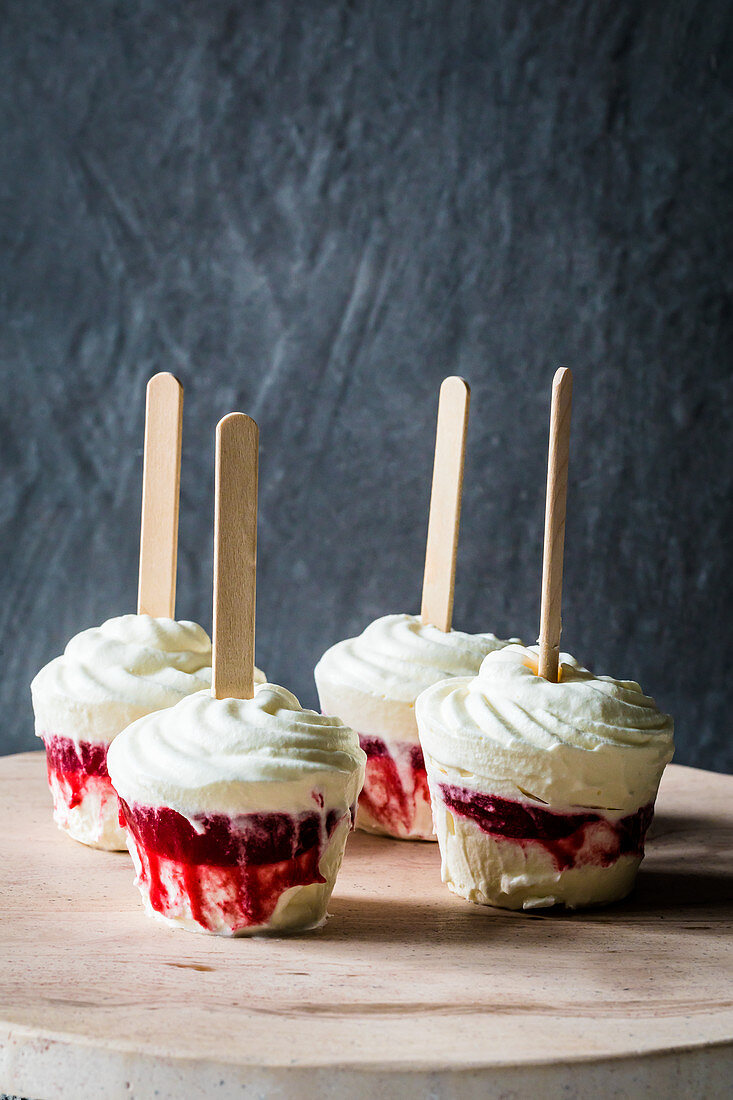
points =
(111, 675)
(585, 742)
(372, 680)
(238, 756)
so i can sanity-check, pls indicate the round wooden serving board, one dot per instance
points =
(406, 992)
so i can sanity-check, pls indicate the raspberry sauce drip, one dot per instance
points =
(76, 767)
(395, 783)
(233, 870)
(572, 840)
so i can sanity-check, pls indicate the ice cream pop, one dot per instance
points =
(372, 681)
(111, 675)
(237, 801)
(543, 776)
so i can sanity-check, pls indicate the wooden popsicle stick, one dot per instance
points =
(555, 509)
(235, 557)
(445, 504)
(156, 590)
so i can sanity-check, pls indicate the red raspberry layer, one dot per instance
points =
(77, 768)
(571, 839)
(229, 870)
(395, 785)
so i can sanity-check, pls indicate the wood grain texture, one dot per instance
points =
(439, 578)
(555, 512)
(235, 557)
(405, 983)
(156, 593)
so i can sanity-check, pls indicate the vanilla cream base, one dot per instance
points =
(511, 875)
(368, 712)
(94, 821)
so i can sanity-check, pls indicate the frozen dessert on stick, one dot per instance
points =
(237, 801)
(107, 677)
(542, 792)
(543, 776)
(131, 665)
(111, 675)
(372, 681)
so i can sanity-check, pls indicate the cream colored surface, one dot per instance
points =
(585, 742)
(238, 756)
(372, 681)
(407, 991)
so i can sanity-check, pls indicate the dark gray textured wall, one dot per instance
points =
(313, 212)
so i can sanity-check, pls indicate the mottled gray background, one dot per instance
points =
(313, 212)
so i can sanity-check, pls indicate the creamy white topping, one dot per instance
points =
(587, 741)
(113, 674)
(372, 680)
(209, 755)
